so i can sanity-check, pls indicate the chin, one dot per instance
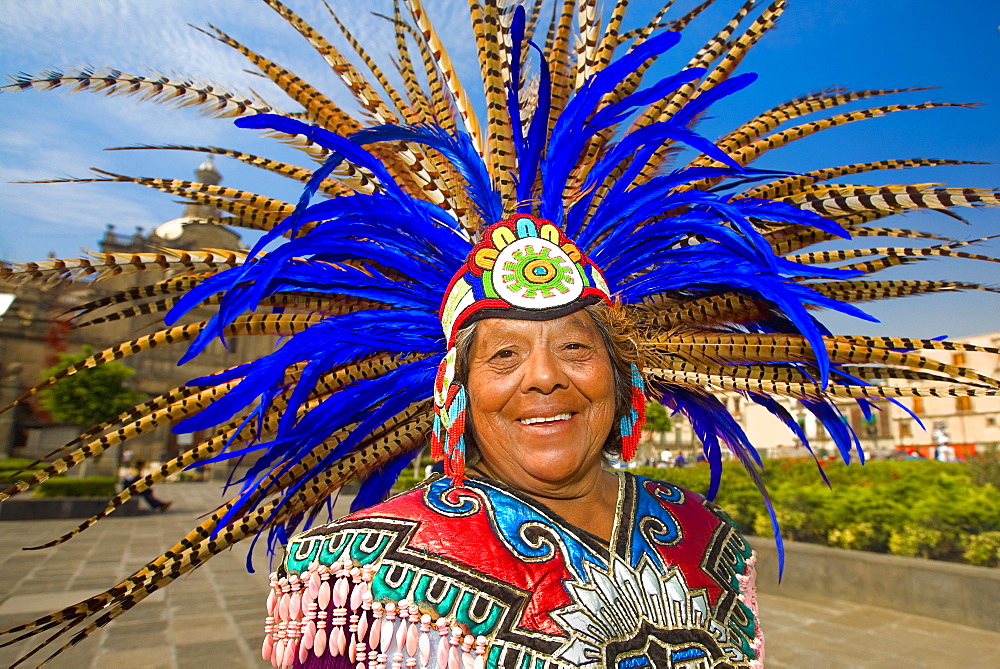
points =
(559, 464)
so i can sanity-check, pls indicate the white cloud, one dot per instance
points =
(133, 36)
(53, 134)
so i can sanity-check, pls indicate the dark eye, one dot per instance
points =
(503, 355)
(576, 346)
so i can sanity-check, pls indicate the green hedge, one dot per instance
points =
(919, 508)
(406, 480)
(58, 486)
(17, 463)
(9, 468)
(11, 476)
(923, 508)
(89, 486)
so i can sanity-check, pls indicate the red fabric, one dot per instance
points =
(471, 541)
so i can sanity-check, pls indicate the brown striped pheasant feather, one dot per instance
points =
(351, 289)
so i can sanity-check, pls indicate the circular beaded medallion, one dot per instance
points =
(533, 272)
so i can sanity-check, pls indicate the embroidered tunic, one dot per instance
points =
(486, 577)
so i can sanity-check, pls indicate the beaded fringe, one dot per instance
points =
(330, 610)
(748, 595)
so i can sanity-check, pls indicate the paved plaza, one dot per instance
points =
(213, 617)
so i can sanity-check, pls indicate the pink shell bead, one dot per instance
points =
(388, 623)
(295, 602)
(467, 657)
(401, 626)
(268, 647)
(308, 640)
(338, 641)
(455, 656)
(413, 630)
(283, 599)
(352, 641)
(272, 597)
(279, 653)
(291, 650)
(375, 635)
(310, 610)
(442, 653)
(363, 621)
(319, 644)
(323, 598)
(343, 587)
(424, 643)
(480, 662)
(314, 582)
(356, 591)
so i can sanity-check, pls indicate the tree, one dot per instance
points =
(657, 420)
(91, 395)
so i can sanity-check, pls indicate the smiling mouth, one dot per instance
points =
(545, 419)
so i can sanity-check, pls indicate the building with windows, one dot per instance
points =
(962, 424)
(35, 329)
(965, 424)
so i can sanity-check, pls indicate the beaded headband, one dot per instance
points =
(524, 268)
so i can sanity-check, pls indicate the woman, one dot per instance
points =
(575, 191)
(530, 552)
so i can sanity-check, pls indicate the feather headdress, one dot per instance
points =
(708, 257)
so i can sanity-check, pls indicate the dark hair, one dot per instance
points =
(616, 332)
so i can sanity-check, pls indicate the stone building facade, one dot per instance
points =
(35, 329)
(965, 424)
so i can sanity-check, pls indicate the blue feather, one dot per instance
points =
(781, 413)
(376, 487)
(514, 85)
(706, 98)
(529, 157)
(368, 403)
(335, 342)
(572, 130)
(714, 425)
(458, 148)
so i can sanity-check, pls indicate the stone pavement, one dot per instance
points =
(213, 617)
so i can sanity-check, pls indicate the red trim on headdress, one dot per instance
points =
(469, 267)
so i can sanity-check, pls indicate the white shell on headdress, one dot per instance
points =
(511, 285)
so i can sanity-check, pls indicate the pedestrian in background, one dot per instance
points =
(133, 474)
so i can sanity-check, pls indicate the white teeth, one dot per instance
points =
(546, 419)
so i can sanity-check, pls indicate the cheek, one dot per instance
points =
(599, 388)
(489, 393)
(597, 383)
(488, 396)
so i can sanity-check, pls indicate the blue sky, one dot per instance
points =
(818, 44)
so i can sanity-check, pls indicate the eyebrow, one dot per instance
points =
(494, 340)
(502, 334)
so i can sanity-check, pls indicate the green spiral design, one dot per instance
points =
(531, 273)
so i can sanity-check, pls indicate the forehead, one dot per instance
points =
(578, 323)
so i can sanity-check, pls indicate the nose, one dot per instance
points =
(543, 372)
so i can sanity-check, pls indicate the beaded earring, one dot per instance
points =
(631, 424)
(448, 433)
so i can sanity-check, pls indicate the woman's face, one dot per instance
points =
(541, 400)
